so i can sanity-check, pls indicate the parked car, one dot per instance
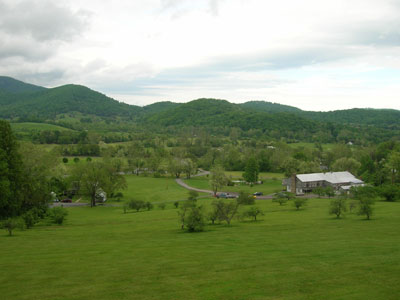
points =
(225, 195)
(258, 194)
(66, 200)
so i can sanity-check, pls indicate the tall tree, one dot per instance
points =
(218, 178)
(251, 171)
(10, 173)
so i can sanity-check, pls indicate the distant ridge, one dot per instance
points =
(11, 85)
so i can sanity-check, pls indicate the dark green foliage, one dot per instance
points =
(338, 206)
(14, 86)
(11, 174)
(162, 205)
(176, 204)
(136, 205)
(57, 215)
(65, 160)
(251, 171)
(76, 159)
(390, 192)
(299, 203)
(148, 205)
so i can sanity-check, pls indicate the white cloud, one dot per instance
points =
(311, 53)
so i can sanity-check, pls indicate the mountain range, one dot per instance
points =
(23, 101)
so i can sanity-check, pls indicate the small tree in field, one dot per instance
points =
(226, 210)
(162, 205)
(366, 208)
(320, 191)
(176, 204)
(10, 224)
(253, 212)
(337, 207)
(329, 191)
(299, 202)
(194, 219)
(218, 178)
(193, 195)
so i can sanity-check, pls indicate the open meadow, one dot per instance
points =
(102, 253)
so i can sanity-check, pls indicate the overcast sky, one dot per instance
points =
(312, 54)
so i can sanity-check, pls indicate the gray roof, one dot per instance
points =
(331, 177)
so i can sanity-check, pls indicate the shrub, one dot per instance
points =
(57, 215)
(194, 220)
(176, 204)
(30, 218)
(76, 159)
(10, 224)
(148, 205)
(299, 202)
(136, 204)
(65, 160)
(245, 198)
(337, 207)
(162, 206)
(157, 175)
(88, 159)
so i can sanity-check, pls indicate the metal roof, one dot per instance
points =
(331, 177)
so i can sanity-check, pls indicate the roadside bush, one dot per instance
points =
(65, 160)
(57, 215)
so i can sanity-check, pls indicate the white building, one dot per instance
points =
(305, 183)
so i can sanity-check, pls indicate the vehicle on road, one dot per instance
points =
(66, 200)
(225, 195)
(257, 194)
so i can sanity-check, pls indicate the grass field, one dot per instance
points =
(153, 189)
(101, 253)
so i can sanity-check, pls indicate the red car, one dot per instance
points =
(66, 200)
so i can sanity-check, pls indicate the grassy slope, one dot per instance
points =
(29, 126)
(101, 253)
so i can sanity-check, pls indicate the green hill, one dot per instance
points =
(46, 103)
(11, 85)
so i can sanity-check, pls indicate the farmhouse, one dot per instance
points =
(305, 183)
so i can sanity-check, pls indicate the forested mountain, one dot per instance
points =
(82, 109)
(46, 103)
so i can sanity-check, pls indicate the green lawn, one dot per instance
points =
(153, 189)
(269, 186)
(101, 253)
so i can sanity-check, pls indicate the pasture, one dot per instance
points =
(102, 253)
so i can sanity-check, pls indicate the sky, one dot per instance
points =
(312, 54)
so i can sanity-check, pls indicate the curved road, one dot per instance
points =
(202, 173)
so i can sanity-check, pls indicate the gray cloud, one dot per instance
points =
(42, 20)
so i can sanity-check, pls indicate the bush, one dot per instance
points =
(176, 204)
(194, 220)
(148, 205)
(162, 206)
(10, 224)
(136, 204)
(57, 215)
(30, 218)
(88, 159)
(76, 159)
(157, 175)
(299, 202)
(65, 160)
(338, 207)
(245, 198)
